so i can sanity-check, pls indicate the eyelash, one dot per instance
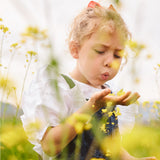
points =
(116, 56)
(101, 52)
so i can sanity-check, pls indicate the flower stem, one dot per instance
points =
(24, 81)
(1, 48)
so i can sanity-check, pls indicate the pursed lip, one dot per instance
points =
(104, 76)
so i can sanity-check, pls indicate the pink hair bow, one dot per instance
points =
(93, 4)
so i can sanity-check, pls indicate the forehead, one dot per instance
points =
(108, 37)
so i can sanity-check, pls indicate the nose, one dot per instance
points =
(108, 60)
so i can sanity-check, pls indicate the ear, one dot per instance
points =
(74, 49)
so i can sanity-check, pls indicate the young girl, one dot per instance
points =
(51, 118)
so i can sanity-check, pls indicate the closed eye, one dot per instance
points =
(117, 56)
(99, 52)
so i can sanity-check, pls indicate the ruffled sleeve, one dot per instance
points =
(43, 106)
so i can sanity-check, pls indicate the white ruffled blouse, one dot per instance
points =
(43, 106)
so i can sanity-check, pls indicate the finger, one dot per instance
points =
(116, 99)
(101, 94)
(123, 97)
(131, 99)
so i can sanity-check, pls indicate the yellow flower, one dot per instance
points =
(36, 124)
(145, 103)
(43, 33)
(110, 114)
(149, 56)
(12, 135)
(117, 113)
(135, 47)
(6, 84)
(71, 120)
(79, 127)
(32, 53)
(103, 128)
(111, 145)
(87, 126)
(35, 33)
(108, 153)
(1, 19)
(139, 115)
(1, 27)
(104, 110)
(137, 80)
(33, 30)
(5, 29)
(93, 105)
(120, 93)
(23, 41)
(157, 102)
(111, 94)
(82, 117)
(32, 128)
(109, 104)
(79, 122)
(137, 102)
(14, 45)
(155, 106)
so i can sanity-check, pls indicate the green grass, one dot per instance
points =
(13, 143)
(143, 141)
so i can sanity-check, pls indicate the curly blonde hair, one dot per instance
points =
(90, 19)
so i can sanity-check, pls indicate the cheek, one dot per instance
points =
(116, 64)
(87, 61)
(96, 62)
(92, 55)
(92, 59)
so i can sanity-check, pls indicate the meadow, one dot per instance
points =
(143, 140)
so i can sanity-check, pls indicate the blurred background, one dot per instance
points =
(141, 16)
(34, 31)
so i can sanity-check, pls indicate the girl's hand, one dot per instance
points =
(102, 98)
(125, 99)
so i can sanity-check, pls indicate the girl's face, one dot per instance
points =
(99, 58)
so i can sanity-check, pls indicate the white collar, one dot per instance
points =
(86, 89)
